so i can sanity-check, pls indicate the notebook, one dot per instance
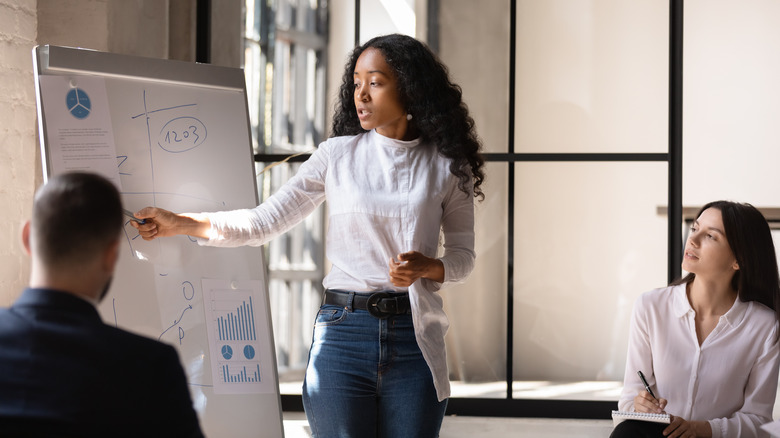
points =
(620, 416)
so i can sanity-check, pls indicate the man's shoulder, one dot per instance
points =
(131, 342)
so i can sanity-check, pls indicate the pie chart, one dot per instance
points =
(78, 103)
(249, 352)
(227, 352)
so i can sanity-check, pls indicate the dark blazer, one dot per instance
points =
(63, 372)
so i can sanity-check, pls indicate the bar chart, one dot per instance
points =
(240, 374)
(238, 325)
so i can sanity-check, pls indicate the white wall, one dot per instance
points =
(731, 102)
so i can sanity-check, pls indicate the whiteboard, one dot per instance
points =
(174, 135)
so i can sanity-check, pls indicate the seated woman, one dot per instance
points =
(708, 343)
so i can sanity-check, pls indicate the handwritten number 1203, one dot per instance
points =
(182, 134)
(174, 136)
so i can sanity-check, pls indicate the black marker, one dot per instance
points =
(129, 214)
(644, 382)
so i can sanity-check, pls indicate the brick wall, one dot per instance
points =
(18, 146)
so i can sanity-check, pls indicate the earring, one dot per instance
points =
(408, 117)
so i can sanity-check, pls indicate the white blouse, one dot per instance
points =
(385, 197)
(730, 381)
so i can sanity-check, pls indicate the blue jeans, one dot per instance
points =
(367, 378)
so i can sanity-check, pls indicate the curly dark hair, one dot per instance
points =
(436, 104)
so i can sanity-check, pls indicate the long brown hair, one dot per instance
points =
(750, 239)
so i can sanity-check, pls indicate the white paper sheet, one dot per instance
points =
(234, 317)
(78, 126)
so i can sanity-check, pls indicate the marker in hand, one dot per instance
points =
(129, 214)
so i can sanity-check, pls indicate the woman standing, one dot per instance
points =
(708, 344)
(402, 168)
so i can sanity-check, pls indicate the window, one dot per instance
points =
(284, 60)
(571, 100)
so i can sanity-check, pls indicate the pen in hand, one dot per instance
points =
(656, 405)
(647, 387)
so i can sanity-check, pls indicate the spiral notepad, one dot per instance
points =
(620, 416)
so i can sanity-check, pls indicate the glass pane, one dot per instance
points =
(286, 94)
(285, 75)
(474, 44)
(476, 341)
(295, 268)
(592, 76)
(297, 110)
(589, 239)
(381, 17)
(254, 70)
(732, 98)
(292, 328)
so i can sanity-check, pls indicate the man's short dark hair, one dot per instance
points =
(75, 216)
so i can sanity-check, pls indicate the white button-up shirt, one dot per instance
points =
(730, 380)
(385, 197)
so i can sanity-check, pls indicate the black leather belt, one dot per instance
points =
(379, 304)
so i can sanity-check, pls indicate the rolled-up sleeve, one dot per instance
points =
(295, 200)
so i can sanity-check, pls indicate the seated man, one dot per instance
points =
(63, 372)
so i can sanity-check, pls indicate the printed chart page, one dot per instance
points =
(232, 311)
